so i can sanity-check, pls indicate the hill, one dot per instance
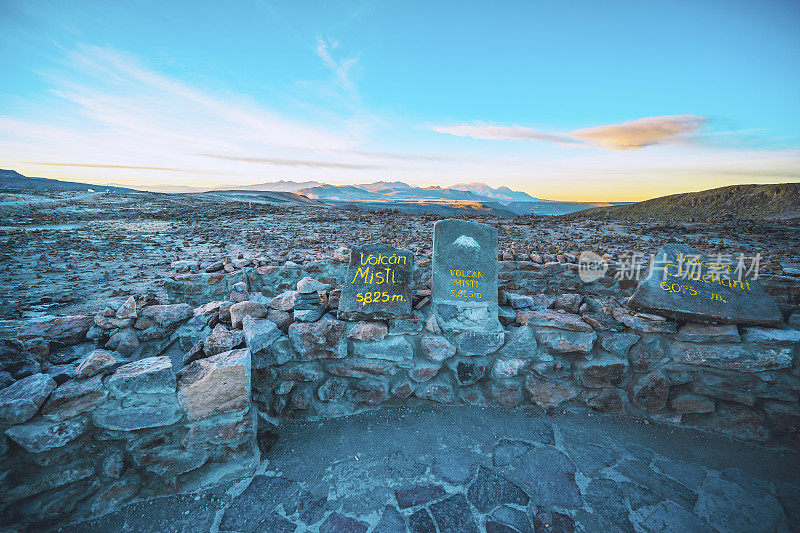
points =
(772, 201)
(11, 179)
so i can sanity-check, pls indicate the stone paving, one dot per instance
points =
(486, 469)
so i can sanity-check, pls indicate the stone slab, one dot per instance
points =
(686, 284)
(378, 283)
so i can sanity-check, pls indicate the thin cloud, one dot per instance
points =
(100, 165)
(293, 162)
(630, 135)
(341, 68)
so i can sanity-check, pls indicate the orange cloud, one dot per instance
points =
(623, 136)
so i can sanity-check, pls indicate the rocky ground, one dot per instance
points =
(67, 253)
(490, 470)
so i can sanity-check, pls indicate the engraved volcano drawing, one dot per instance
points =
(464, 250)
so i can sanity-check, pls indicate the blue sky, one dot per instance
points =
(565, 100)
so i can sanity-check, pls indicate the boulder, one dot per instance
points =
(222, 340)
(569, 302)
(332, 389)
(552, 319)
(74, 397)
(392, 348)
(284, 301)
(479, 342)
(619, 343)
(124, 341)
(152, 375)
(566, 341)
(547, 393)
(437, 348)
(217, 384)
(508, 368)
(138, 411)
(94, 363)
(437, 391)
(467, 370)
(685, 403)
(309, 285)
(66, 330)
(20, 401)
(127, 309)
(16, 360)
(610, 399)
(694, 332)
(367, 331)
(650, 391)
(164, 317)
(601, 372)
(43, 435)
(247, 308)
(741, 357)
(259, 334)
(772, 336)
(521, 344)
(506, 392)
(323, 339)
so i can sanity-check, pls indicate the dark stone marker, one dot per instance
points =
(464, 286)
(687, 284)
(378, 283)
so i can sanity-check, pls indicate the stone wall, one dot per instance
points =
(87, 429)
(174, 397)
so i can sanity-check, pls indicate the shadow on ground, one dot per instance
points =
(488, 469)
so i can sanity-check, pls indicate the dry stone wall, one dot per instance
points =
(145, 398)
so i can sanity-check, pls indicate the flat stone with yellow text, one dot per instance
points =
(378, 283)
(687, 284)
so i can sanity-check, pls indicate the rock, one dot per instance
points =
(650, 392)
(339, 523)
(520, 301)
(367, 331)
(736, 421)
(423, 371)
(16, 360)
(491, 489)
(467, 370)
(508, 368)
(694, 291)
(402, 389)
(772, 336)
(74, 397)
(332, 389)
(741, 357)
(437, 348)
(392, 348)
(139, 411)
(115, 495)
(323, 339)
(548, 394)
(600, 372)
(506, 392)
(124, 341)
(691, 403)
(565, 341)
(43, 435)
(243, 309)
(377, 284)
(421, 522)
(437, 391)
(259, 334)
(549, 477)
(552, 319)
(619, 343)
(453, 515)
(309, 285)
(282, 319)
(308, 315)
(170, 460)
(42, 480)
(510, 518)
(611, 400)
(218, 384)
(455, 467)
(728, 507)
(432, 326)
(786, 417)
(114, 464)
(521, 344)
(222, 340)
(405, 326)
(284, 301)
(506, 451)
(370, 391)
(464, 276)
(20, 401)
(643, 322)
(259, 500)
(94, 363)
(694, 332)
(569, 302)
(165, 317)
(67, 330)
(418, 494)
(391, 521)
(153, 375)
(127, 309)
(479, 342)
